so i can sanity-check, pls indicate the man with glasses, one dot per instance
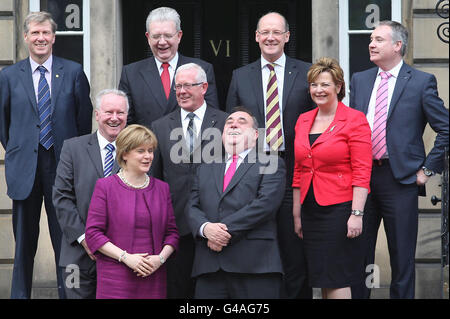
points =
(186, 137)
(275, 89)
(148, 82)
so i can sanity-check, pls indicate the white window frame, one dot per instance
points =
(36, 6)
(344, 37)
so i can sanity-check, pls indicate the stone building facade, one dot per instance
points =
(101, 28)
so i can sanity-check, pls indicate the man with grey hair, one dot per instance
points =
(182, 136)
(44, 100)
(398, 101)
(83, 160)
(148, 82)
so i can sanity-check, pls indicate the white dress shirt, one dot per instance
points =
(279, 68)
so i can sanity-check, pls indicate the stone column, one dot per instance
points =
(325, 29)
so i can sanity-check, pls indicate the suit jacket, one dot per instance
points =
(178, 172)
(19, 120)
(339, 159)
(248, 207)
(79, 168)
(111, 218)
(142, 83)
(415, 102)
(246, 90)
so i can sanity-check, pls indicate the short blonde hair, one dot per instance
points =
(132, 137)
(331, 66)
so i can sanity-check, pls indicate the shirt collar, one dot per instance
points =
(280, 62)
(241, 155)
(102, 142)
(200, 112)
(47, 64)
(394, 71)
(173, 63)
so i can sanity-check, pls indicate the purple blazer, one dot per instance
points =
(111, 215)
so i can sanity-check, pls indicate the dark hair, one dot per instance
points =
(245, 110)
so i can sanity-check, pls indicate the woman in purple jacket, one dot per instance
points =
(130, 225)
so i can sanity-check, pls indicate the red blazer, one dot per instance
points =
(338, 160)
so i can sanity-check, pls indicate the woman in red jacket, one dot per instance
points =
(333, 162)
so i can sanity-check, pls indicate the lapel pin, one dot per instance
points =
(331, 129)
(57, 75)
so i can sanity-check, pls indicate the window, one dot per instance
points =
(357, 20)
(72, 36)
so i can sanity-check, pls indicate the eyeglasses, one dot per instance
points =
(186, 86)
(166, 36)
(275, 33)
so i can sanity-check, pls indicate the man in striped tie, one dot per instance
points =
(274, 88)
(85, 159)
(398, 101)
(43, 101)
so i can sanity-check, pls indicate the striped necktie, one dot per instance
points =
(274, 135)
(191, 131)
(44, 110)
(379, 122)
(109, 160)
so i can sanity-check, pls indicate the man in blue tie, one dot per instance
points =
(83, 161)
(43, 101)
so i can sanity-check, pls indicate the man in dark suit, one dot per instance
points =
(288, 86)
(232, 215)
(148, 82)
(175, 163)
(399, 101)
(83, 160)
(43, 101)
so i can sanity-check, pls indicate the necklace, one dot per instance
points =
(144, 185)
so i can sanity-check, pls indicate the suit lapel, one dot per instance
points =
(367, 89)
(219, 172)
(403, 77)
(209, 121)
(27, 81)
(57, 79)
(240, 172)
(255, 78)
(290, 73)
(93, 150)
(151, 76)
(336, 125)
(175, 123)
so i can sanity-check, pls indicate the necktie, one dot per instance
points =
(274, 135)
(109, 160)
(379, 122)
(44, 110)
(191, 131)
(230, 172)
(165, 79)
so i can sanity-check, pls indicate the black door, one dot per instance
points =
(221, 32)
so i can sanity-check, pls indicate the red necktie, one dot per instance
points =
(165, 79)
(230, 172)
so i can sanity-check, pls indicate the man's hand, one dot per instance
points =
(217, 234)
(88, 251)
(421, 177)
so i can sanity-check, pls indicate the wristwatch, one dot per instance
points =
(357, 212)
(427, 172)
(161, 259)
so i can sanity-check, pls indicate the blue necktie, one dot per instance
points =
(44, 109)
(191, 131)
(109, 160)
